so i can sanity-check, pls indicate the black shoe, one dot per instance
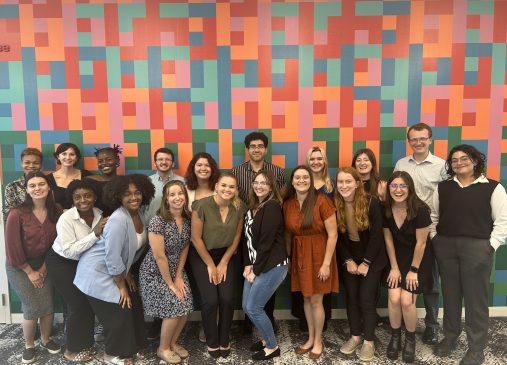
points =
(394, 347)
(472, 358)
(430, 336)
(51, 347)
(261, 355)
(225, 353)
(258, 346)
(408, 354)
(214, 353)
(29, 355)
(445, 347)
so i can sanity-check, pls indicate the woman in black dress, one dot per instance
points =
(406, 227)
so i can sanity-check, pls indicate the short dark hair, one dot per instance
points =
(88, 184)
(64, 147)
(255, 136)
(420, 127)
(114, 190)
(477, 157)
(30, 151)
(191, 179)
(163, 150)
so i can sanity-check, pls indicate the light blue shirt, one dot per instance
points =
(159, 183)
(113, 254)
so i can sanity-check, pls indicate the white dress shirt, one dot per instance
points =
(74, 236)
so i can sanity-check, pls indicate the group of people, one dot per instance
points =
(122, 247)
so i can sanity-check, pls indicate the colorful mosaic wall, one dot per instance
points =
(200, 75)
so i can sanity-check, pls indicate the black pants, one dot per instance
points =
(465, 267)
(80, 317)
(124, 329)
(362, 302)
(215, 298)
(431, 295)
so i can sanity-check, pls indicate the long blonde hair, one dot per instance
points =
(361, 202)
(324, 174)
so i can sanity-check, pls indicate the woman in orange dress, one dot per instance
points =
(311, 234)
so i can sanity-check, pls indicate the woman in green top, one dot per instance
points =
(217, 222)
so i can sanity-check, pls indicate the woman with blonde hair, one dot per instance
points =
(362, 251)
(316, 160)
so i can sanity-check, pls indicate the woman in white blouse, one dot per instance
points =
(78, 229)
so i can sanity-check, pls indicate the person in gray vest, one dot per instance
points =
(427, 170)
(469, 223)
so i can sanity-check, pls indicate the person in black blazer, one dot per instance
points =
(265, 259)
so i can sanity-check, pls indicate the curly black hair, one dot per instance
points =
(254, 136)
(116, 150)
(88, 184)
(191, 179)
(115, 189)
(64, 147)
(478, 159)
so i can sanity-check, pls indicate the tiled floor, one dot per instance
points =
(289, 336)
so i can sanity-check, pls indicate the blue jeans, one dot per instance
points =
(255, 297)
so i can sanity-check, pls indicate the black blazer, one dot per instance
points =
(373, 238)
(267, 238)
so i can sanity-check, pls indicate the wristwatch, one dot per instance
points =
(414, 269)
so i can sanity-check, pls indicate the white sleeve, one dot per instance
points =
(499, 215)
(71, 244)
(435, 212)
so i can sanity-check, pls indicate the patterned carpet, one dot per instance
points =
(289, 336)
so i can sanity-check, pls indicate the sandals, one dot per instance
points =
(81, 356)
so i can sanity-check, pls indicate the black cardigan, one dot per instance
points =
(373, 237)
(267, 238)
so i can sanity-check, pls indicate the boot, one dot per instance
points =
(394, 347)
(408, 354)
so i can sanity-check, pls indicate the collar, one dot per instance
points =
(75, 214)
(429, 159)
(249, 166)
(480, 180)
(169, 177)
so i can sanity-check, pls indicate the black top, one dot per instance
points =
(59, 193)
(263, 244)
(372, 237)
(465, 211)
(406, 234)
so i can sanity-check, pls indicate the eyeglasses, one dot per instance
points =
(462, 159)
(260, 183)
(416, 140)
(256, 147)
(396, 186)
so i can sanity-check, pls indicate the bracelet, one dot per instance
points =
(366, 262)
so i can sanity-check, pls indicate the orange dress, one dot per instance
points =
(309, 247)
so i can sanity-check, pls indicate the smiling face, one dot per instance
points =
(68, 158)
(399, 189)
(175, 198)
(420, 141)
(107, 162)
(363, 165)
(30, 163)
(346, 185)
(301, 181)
(164, 162)
(132, 198)
(257, 150)
(226, 188)
(37, 188)
(202, 169)
(462, 165)
(316, 162)
(83, 199)
(261, 187)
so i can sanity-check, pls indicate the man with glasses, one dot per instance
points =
(256, 144)
(427, 170)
